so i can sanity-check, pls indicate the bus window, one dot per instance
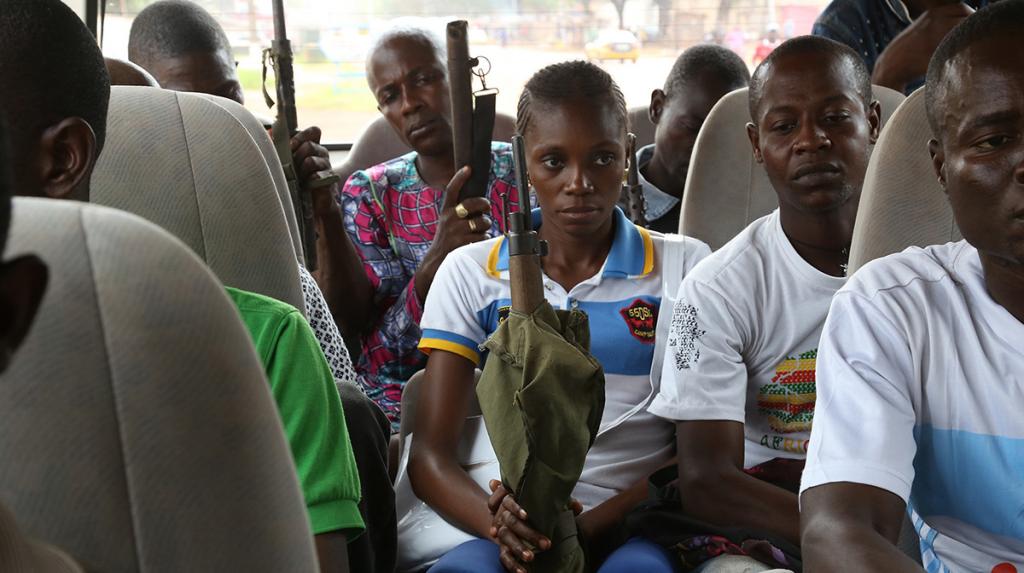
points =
(331, 40)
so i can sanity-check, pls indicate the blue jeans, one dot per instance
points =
(481, 556)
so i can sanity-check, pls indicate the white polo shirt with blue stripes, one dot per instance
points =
(470, 296)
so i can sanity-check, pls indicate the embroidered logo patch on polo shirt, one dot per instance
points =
(641, 318)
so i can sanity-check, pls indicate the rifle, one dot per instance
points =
(524, 249)
(285, 126)
(472, 114)
(632, 198)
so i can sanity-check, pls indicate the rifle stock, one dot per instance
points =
(524, 249)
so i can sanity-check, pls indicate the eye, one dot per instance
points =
(993, 142)
(836, 117)
(386, 98)
(604, 159)
(783, 127)
(551, 161)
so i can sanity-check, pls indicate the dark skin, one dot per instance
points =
(678, 118)
(906, 57)
(575, 157)
(813, 134)
(214, 74)
(56, 161)
(124, 73)
(410, 85)
(22, 285)
(211, 73)
(979, 160)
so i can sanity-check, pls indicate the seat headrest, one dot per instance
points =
(726, 189)
(256, 130)
(640, 125)
(188, 165)
(902, 204)
(136, 426)
(379, 143)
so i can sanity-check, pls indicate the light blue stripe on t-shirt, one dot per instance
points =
(975, 478)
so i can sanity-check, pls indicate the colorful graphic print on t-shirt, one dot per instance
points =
(788, 401)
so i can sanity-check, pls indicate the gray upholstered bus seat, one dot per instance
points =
(188, 165)
(379, 143)
(254, 126)
(726, 189)
(137, 429)
(640, 125)
(902, 204)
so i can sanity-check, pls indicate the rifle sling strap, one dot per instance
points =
(483, 128)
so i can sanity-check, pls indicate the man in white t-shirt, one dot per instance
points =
(739, 369)
(921, 366)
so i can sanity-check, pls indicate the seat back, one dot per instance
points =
(903, 203)
(379, 143)
(188, 165)
(137, 430)
(266, 146)
(726, 189)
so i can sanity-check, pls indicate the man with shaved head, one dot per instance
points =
(738, 379)
(921, 369)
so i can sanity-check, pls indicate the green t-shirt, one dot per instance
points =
(307, 400)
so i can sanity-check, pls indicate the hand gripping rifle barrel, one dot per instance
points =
(524, 248)
(632, 199)
(285, 126)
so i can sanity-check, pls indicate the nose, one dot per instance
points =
(1018, 171)
(411, 103)
(580, 182)
(810, 138)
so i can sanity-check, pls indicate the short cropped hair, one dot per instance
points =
(50, 69)
(173, 28)
(707, 59)
(1002, 18)
(422, 35)
(567, 81)
(810, 45)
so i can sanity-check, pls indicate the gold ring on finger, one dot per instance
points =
(461, 211)
(472, 226)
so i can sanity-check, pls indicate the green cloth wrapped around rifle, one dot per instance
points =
(542, 398)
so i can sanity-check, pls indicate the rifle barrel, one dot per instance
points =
(280, 31)
(461, 85)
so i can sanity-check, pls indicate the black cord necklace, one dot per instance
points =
(844, 252)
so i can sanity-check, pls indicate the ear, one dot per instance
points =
(657, 106)
(68, 153)
(938, 161)
(874, 120)
(755, 142)
(22, 284)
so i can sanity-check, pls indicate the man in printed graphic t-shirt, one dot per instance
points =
(739, 368)
(922, 357)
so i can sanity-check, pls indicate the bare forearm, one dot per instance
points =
(729, 497)
(332, 552)
(829, 546)
(341, 276)
(448, 489)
